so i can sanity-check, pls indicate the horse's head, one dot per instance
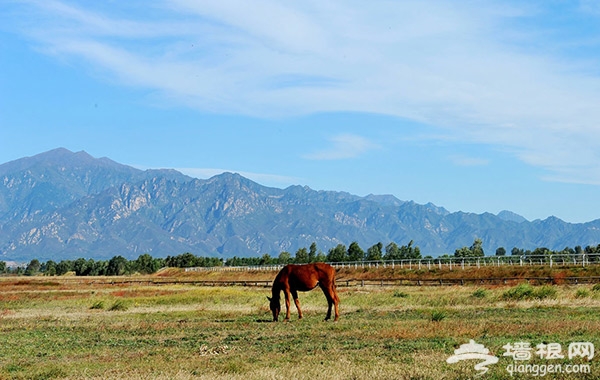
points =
(275, 307)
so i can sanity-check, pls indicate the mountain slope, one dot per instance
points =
(64, 205)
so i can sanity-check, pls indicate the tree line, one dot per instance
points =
(476, 250)
(146, 264)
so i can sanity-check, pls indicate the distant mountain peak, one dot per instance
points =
(384, 199)
(510, 216)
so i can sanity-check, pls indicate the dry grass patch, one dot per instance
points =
(191, 332)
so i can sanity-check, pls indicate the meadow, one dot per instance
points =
(51, 329)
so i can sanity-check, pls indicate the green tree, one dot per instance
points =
(540, 251)
(392, 251)
(146, 264)
(2, 266)
(374, 253)
(312, 252)
(320, 257)
(117, 266)
(285, 257)
(409, 252)
(266, 259)
(477, 248)
(97, 268)
(355, 252)
(301, 256)
(49, 268)
(80, 266)
(463, 252)
(337, 254)
(500, 251)
(64, 267)
(33, 268)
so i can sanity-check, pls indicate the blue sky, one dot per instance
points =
(474, 106)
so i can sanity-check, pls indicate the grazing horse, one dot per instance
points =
(294, 278)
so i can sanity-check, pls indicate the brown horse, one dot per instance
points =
(294, 278)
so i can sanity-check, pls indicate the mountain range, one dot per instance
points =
(64, 205)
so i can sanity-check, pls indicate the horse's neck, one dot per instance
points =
(276, 290)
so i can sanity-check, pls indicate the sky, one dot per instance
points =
(475, 106)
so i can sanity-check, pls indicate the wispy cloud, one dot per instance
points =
(343, 146)
(469, 69)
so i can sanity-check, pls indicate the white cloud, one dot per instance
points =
(467, 68)
(343, 146)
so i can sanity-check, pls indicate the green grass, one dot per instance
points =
(188, 332)
(526, 292)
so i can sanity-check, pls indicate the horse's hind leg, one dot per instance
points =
(297, 302)
(332, 299)
(287, 305)
(336, 302)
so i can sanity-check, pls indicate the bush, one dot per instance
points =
(479, 293)
(527, 292)
(400, 294)
(582, 293)
(546, 291)
(596, 288)
(438, 315)
(519, 292)
(97, 305)
(119, 305)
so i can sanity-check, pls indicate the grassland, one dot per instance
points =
(53, 330)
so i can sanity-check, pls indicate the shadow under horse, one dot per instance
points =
(301, 278)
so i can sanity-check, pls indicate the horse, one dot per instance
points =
(294, 278)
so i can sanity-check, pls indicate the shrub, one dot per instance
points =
(97, 305)
(479, 293)
(543, 292)
(400, 294)
(582, 293)
(519, 292)
(438, 315)
(596, 288)
(119, 305)
(526, 292)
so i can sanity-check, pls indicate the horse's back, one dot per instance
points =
(308, 276)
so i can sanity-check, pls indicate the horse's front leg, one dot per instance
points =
(287, 305)
(297, 302)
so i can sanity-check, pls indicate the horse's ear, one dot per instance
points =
(269, 298)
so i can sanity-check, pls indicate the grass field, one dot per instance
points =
(50, 330)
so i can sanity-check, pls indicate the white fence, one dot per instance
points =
(439, 263)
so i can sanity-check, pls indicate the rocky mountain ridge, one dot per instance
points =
(65, 205)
